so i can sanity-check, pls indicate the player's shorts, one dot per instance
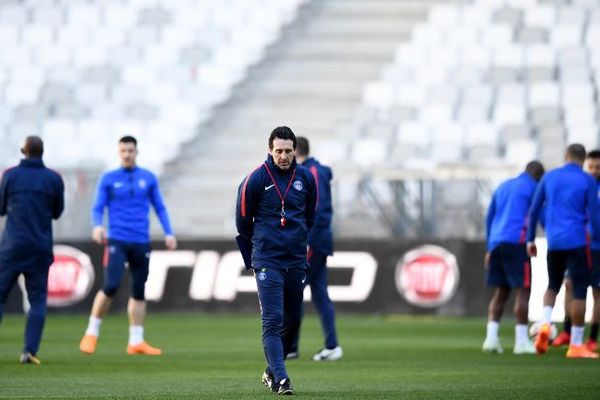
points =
(578, 263)
(595, 277)
(121, 254)
(509, 266)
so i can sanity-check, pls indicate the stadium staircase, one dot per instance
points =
(311, 80)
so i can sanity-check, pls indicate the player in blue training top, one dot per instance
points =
(127, 193)
(31, 196)
(274, 213)
(592, 166)
(320, 245)
(569, 196)
(507, 263)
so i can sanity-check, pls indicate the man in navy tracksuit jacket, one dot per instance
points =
(507, 263)
(320, 245)
(31, 195)
(275, 211)
(570, 197)
(128, 193)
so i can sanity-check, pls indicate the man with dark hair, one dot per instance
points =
(570, 197)
(506, 261)
(275, 211)
(320, 245)
(592, 166)
(127, 192)
(31, 196)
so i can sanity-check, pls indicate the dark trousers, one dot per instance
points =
(317, 280)
(36, 284)
(280, 295)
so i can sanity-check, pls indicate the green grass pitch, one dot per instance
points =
(220, 357)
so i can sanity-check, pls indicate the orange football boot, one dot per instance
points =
(143, 348)
(541, 341)
(88, 344)
(580, 352)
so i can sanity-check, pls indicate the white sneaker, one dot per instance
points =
(492, 346)
(526, 347)
(329, 354)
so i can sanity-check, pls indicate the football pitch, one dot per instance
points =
(220, 357)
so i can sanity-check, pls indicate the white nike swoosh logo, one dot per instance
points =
(118, 184)
(269, 187)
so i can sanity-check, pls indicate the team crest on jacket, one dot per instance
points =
(262, 276)
(142, 183)
(298, 185)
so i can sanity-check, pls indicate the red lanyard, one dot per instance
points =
(282, 197)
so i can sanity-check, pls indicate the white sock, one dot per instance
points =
(577, 335)
(492, 330)
(521, 334)
(547, 314)
(136, 335)
(93, 326)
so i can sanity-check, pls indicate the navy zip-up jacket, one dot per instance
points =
(320, 237)
(508, 210)
(258, 216)
(31, 195)
(128, 193)
(569, 196)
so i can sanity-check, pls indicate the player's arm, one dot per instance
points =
(534, 214)
(3, 195)
(311, 201)
(593, 209)
(247, 200)
(163, 216)
(101, 201)
(490, 218)
(59, 202)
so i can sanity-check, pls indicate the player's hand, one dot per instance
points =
(98, 234)
(486, 260)
(170, 242)
(531, 249)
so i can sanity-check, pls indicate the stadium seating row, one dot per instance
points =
(82, 73)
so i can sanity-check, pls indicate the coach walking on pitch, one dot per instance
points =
(31, 195)
(274, 213)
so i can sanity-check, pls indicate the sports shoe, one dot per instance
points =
(267, 379)
(591, 344)
(492, 346)
(524, 348)
(28, 358)
(143, 348)
(329, 354)
(88, 344)
(563, 339)
(580, 352)
(541, 340)
(292, 355)
(285, 387)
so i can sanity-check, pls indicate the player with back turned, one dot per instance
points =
(507, 263)
(31, 196)
(570, 197)
(320, 245)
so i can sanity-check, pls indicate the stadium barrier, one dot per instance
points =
(365, 276)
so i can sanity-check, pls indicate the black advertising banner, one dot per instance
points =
(365, 276)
